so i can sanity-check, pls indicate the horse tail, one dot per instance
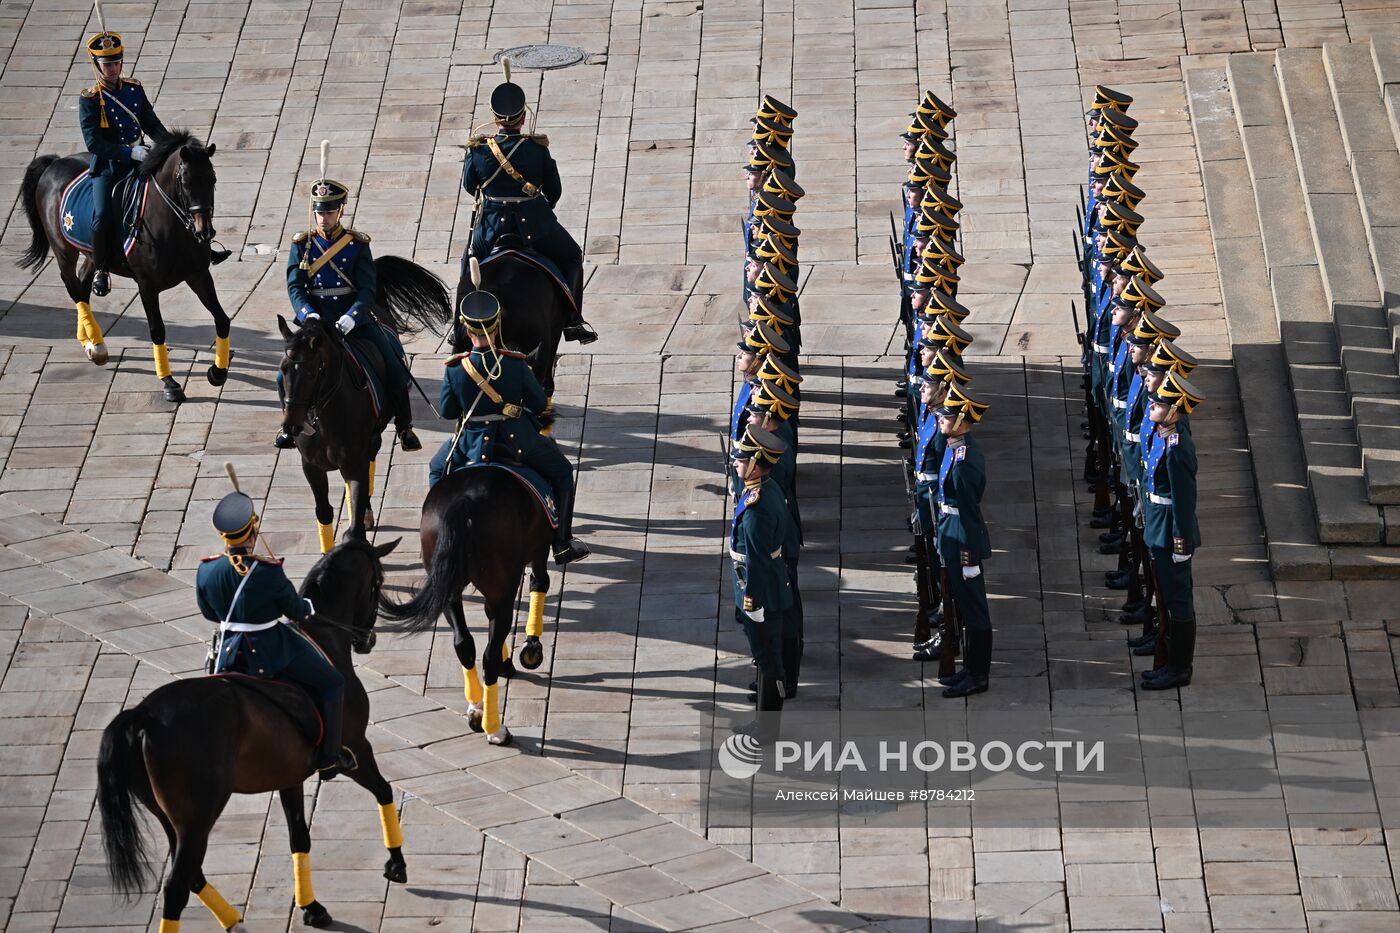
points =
(445, 574)
(409, 297)
(38, 249)
(119, 766)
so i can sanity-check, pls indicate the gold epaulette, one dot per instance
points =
(475, 141)
(301, 236)
(455, 358)
(540, 138)
(362, 237)
(132, 81)
(513, 354)
(88, 92)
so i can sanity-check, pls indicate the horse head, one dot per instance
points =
(183, 170)
(310, 370)
(344, 586)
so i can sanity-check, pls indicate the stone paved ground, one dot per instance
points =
(1268, 791)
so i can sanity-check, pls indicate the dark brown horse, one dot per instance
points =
(172, 244)
(481, 527)
(188, 746)
(533, 313)
(328, 410)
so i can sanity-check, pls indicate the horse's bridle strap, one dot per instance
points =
(326, 257)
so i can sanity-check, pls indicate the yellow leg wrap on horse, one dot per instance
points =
(88, 330)
(473, 682)
(349, 503)
(221, 352)
(221, 909)
(327, 533)
(389, 822)
(505, 650)
(534, 625)
(301, 878)
(169, 926)
(162, 357)
(491, 718)
(370, 487)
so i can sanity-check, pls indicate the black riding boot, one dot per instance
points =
(403, 421)
(770, 707)
(577, 328)
(101, 259)
(331, 758)
(566, 548)
(1181, 650)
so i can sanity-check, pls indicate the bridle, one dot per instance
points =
(362, 640)
(185, 212)
(322, 394)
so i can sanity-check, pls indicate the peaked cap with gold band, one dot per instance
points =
(1118, 120)
(1142, 296)
(1177, 393)
(1137, 263)
(937, 222)
(961, 403)
(941, 251)
(1121, 217)
(1110, 162)
(924, 171)
(773, 283)
(948, 333)
(757, 444)
(766, 157)
(768, 203)
(776, 314)
(774, 370)
(508, 103)
(771, 398)
(1151, 328)
(784, 231)
(773, 109)
(1117, 246)
(105, 46)
(768, 130)
(1119, 189)
(933, 275)
(940, 303)
(479, 312)
(768, 248)
(937, 199)
(947, 367)
(763, 339)
(940, 112)
(781, 183)
(1106, 98)
(931, 150)
(1110, 138)
(922, 125)
(1168, 357)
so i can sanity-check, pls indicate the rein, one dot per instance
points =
(313, 407)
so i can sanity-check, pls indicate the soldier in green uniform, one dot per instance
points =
(1170, 529)
(257, 609)
(498, 400)
(762, 588)
(963, 542)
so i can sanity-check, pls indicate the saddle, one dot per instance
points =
(292, 699)
(75, 209)
(511, 245)
(528, 478)
(368, 371)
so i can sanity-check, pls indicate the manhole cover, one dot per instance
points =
(542, 57)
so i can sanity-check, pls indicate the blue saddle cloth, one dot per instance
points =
(369, 373)
(531, 481)
(544, 263)
(128, 197)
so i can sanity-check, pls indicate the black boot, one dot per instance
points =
(792, 666)
(1181, 650)
(566, 547)
(331, 758)
(577, 328)
(403, 421)
(101, 258)
(284, 440)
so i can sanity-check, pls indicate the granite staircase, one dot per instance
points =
(1300, 152)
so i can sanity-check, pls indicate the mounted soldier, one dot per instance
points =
(258, 609)
(498, 400)
(116, 118)
(331, 277)
(516, 184)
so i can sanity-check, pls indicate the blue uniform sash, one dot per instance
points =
(738, 416)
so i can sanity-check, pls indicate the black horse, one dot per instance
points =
(328, 410)
(533, 313)
(172, 244)
(481, 526)
(190, 745)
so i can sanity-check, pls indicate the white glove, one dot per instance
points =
(1180, 558)
(308, 315)
(346, 324)
(140, 152)
(756, 615)
(971, 572)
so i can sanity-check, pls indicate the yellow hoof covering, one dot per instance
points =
(301, 878)
(534, 625)
(162, 357)
(491, 719)
(473, 685)
(327, 533)
(221, 909)
(169, 926)
(88, 331)
(389, 822)
(221, 352)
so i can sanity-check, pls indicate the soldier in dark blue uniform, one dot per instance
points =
(517, 185)
(331, 278)
(257, 609)
(963, 542)
(498, 400)
(115, 116)
(1169, 523)
(762, 587)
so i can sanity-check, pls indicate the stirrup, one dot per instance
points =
(580, 333)
(344, 763)
(101, 283)
(572, 550)
(284, 441)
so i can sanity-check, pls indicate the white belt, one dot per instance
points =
(1101, 348)
(742, 558)
(948, 509)
(926, 477)
(509, 200)
(252, 626)
(474, 419)
(1119, 403)
(1131, 437)
(1159, 500)
(332, 292)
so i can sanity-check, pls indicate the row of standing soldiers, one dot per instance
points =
(945, 471)
(1141, 459)
(766, 535)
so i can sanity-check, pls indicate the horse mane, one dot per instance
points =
(324, 570)
(162, 148)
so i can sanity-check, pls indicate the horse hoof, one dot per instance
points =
(315, 915)
(508, 669)
(97, 352)
(532, 654)
(474, 714)
(217, 376)
(173, 392)
(396, 871)
(501, 737)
